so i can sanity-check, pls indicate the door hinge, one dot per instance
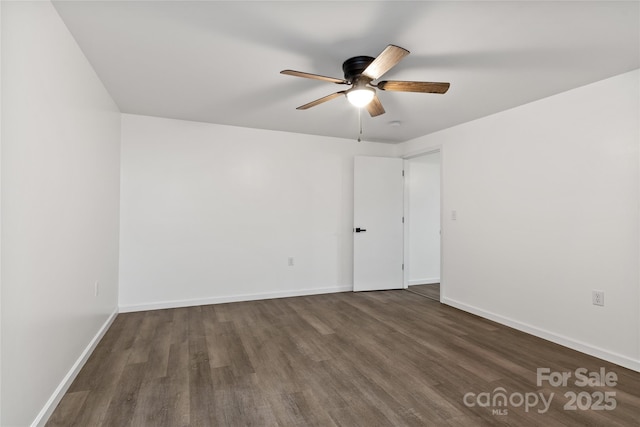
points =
(402, 173)
(403, 266)
(403, 220)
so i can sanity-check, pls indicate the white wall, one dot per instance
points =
(547, 197)
(60, 192)
(424, 219)
(212, 213)
(0, 213)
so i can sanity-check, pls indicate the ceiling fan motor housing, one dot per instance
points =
(353, 67)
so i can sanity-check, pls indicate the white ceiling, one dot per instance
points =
(219, 62)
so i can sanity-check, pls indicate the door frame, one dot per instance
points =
(407, 218)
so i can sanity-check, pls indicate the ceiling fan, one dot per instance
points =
(360, 72)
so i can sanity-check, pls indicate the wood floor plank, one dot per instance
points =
(159, 347)
(430, 291)
(141, 346)
(92, 412)
(152, 407)
(125, 396)
(201, 391)
(389, 358)
(68, 409)
(177, 399)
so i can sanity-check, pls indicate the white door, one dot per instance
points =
(377, 221)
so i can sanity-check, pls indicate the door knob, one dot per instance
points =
(360, 230)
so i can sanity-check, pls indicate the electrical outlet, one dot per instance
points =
(597, 297)
(96, 288)
(454, 215)
(290, 261)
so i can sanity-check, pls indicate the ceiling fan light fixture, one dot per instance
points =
(360, 96)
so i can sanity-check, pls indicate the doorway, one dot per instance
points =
(422, 233)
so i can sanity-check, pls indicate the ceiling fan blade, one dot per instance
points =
(320, 100)
(313, 76)
(375, 107)
(385, 61)
(423, 87)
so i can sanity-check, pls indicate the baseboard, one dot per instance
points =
(427, 281)
(64, 385)
(618, 359)
(233, 298)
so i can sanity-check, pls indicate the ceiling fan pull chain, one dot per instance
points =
(360, 122)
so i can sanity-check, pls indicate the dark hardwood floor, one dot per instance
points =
(431, 290)
(388, 358)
